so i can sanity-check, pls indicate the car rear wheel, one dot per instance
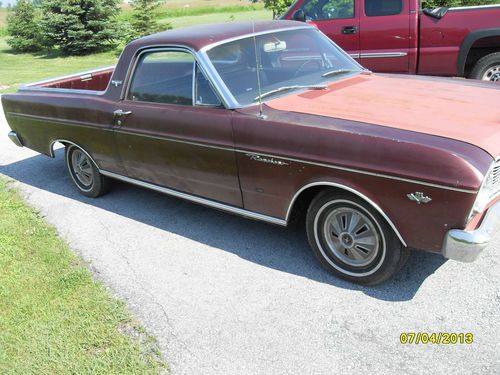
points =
(487, 68)
(352, 240)
(84, 173)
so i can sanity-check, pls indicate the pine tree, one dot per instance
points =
(144, 19)
(79, 27)
(23, 27)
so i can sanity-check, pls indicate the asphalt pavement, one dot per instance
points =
(227, 295)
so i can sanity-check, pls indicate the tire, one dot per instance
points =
(84, 173)
(352, 240)
(487, 68)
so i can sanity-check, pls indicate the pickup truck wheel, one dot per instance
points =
(352, 240)
(84, 173)
(487, 68)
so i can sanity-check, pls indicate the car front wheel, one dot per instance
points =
(84, 173)
(352, 240)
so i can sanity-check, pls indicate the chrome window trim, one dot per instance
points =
(223, 96)
(252, 34)
(137, 58)
(196, 199)
(195, 92)
(353, 191)
(232, 102)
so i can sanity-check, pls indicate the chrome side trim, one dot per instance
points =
(353, 191)
(381, 55)
(362, 172)
(241, 151)
(195, 199)
(346, 169)
(14, 138)
(52, 154)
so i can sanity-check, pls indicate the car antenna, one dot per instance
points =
(257, 67)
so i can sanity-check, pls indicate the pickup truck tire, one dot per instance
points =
(352, 240)
(84, 173)
(487, 68)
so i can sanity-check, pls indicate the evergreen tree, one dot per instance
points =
(144, 19)
(79, 27)
(23, 27)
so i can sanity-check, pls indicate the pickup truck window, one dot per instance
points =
(163, 77)
(383, 7)
(328, 9)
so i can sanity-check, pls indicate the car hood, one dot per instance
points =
(468, 112)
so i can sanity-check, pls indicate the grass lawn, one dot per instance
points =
(54, 318)
(16, 69)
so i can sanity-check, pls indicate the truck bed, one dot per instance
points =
(94, 80)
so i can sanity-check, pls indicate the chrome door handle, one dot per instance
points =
(118, 114)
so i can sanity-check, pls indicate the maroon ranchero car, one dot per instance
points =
(272, 120)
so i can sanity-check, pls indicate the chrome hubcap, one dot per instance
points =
(492, 74)
(82, 168)
(351, 236)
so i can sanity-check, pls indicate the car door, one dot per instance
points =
(385, 35)
(172, 131)
(338, 19)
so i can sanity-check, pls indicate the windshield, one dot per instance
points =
(289, 60)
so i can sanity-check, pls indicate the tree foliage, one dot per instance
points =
(277, 6)
(79, 27)
(144, 19)
(23, 26)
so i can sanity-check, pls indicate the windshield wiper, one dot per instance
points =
(286, 88)
(337, 71)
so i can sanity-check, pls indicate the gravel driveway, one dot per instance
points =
(226, 295)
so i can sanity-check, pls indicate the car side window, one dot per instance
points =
(383, 7)
(328, 9)
(204, 94)
(163, 77)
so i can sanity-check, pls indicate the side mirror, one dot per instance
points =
(436, 13)
(299, 15)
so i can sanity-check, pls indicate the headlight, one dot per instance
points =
(489, 190)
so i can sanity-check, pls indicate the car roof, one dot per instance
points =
(197, 37)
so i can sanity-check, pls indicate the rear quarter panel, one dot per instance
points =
(41, 118)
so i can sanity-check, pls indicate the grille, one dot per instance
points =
(495, 177)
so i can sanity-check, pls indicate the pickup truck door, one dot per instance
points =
(338, 19)
(166, 138)
(385, 37)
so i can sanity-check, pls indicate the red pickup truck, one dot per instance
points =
(397, 36)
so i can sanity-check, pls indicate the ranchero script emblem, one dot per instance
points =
(268, 160)
(419, 197)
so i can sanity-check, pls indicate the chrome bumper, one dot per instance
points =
(14, 138)
(465, 246)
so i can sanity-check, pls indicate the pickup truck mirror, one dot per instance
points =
(437, 13)
(299, 15)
